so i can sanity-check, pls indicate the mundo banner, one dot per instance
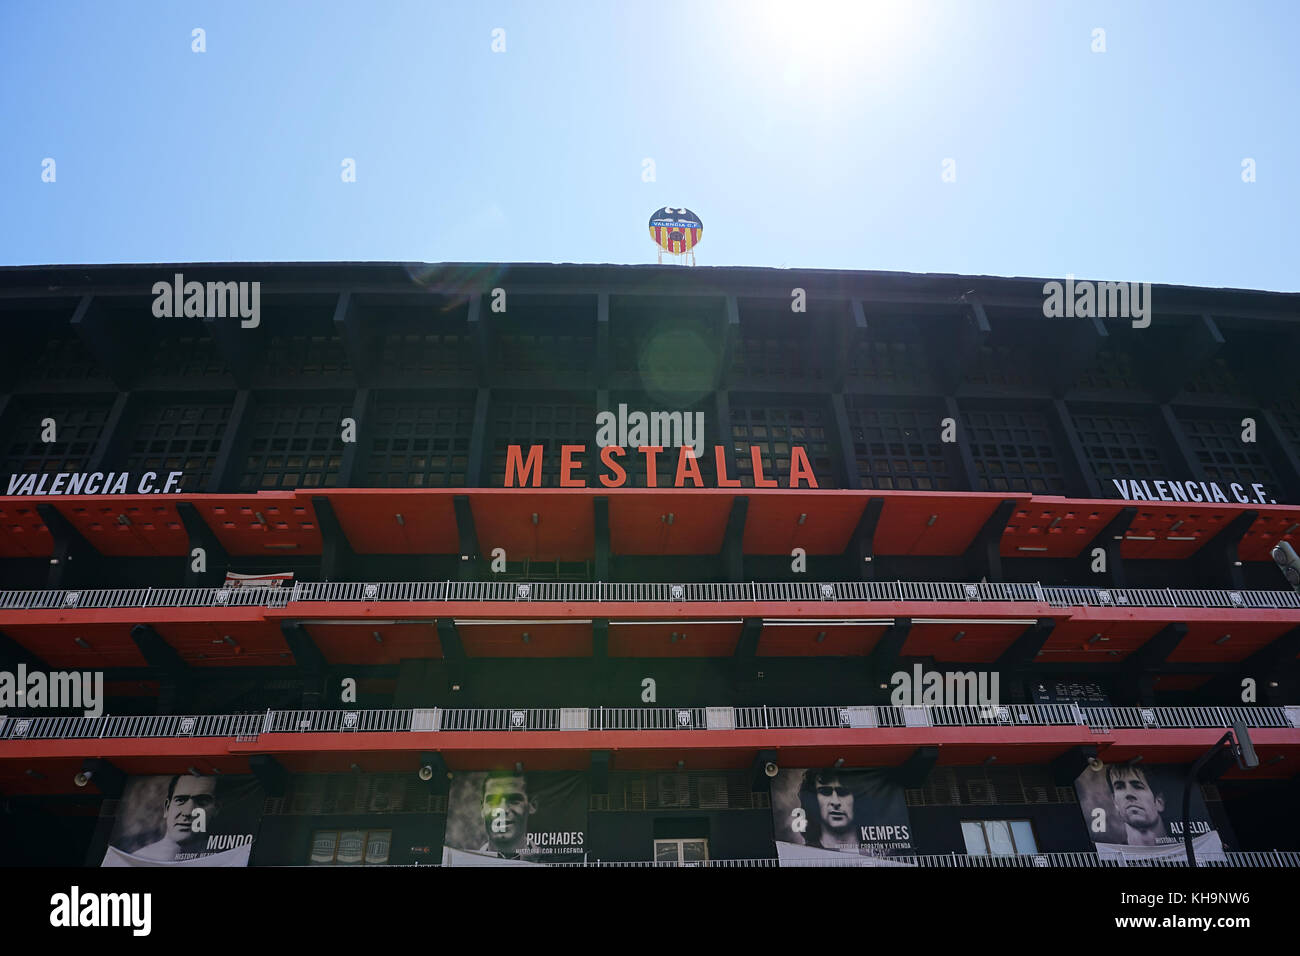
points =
(184, 820)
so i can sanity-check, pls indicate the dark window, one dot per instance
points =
(419, 444)
(62, 358)
(1005, 363)
(704, 790)
(78, 427)
(993, 786)
(294, 446)
(780, 347)
(775, 430)
(1287, 413)
(545, 352)
(181, 350)
(1113, 368)
(426, 353)
(999, 837)
(527, 423)
(179, 437)
(898, 448)
(891, 353)
(682, 852)
(1119, 446)
(1224, 456)
(1215, 377)
(1014, 451)
(299, 356)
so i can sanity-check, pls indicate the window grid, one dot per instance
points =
(63, 357)
(1221, 452)
(775, 430)
(999, 837)
(366, 793)
(294, 356)
(1215, 378)
(78, 428)
(678, 791)
(685, 851)
(1114, 368)
(766, 350)
(184, 438)
(419, 445)
(898, 359)
(1014, 451)
(625, 353)
(1003, 364)
(294, 446)
(996, 786)
(526, 423)
(551, 353)
(898, 448)
(1287, 413)
(426, 353)
(186, 356)
(1119, 446)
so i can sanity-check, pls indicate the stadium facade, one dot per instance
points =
(479, 563)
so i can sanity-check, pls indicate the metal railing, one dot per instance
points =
(1098, 719)
(66, 728)
(1187, 717)
(569, 591)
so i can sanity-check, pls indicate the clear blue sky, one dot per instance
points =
(803, 134)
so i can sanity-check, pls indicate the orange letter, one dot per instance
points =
(567, 466)
(801, 468)
(687, 466)
(515, 466)
(651, 476)
(607, 459)
(723, 480)
(759, 480)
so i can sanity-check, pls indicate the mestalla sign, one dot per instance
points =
(524, 470)
(1230, 492)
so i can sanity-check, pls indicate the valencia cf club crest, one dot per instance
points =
(676, 231)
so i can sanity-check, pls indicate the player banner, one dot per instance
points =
(1135, 811)
(825, 814)
(185, 820)
(503, 818)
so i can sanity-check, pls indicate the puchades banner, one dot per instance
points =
(185, 820)
(825, 814)
(1135, 811)
(500, 818)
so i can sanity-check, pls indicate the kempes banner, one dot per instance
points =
(504, 818)
(1135, 811)
(820, 814)
(185, 820)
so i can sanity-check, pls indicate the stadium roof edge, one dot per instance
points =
(842, 283)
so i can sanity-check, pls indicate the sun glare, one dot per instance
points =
(826, 41)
